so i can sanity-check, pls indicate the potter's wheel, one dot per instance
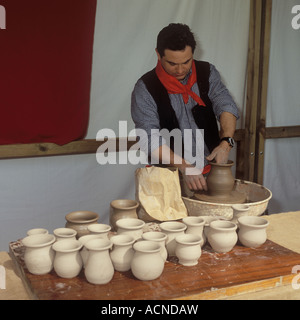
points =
(257, 198)
(234, 197)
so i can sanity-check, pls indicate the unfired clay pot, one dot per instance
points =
(67, 261)
(99, 268)
(172, 229)
(83, 240)
(195, 225)
(122, 252)
(222, 236)
(130, 226)
(188, 249)
(220, 180)
(147, 262)
(121, 209)
(252, 231)
(80, 220)
(31, 232)
(160, 238)
(239, 210)
(39, 255)
(99, 228)
(65, 233)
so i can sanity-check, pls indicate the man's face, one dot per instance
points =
(177, 63)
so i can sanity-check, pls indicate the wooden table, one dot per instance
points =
(242, 273)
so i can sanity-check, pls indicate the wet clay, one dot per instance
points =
(220, 184)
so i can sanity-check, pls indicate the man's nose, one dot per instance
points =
(179, 69)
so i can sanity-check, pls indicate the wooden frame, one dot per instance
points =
(250, 141)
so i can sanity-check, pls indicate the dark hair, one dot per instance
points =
(176, 36)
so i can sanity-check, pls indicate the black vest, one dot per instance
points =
(204, 116)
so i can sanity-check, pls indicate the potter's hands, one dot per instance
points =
(221, 153)
(193, 177)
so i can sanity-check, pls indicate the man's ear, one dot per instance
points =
(158, 55)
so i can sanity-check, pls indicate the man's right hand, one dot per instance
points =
(193, 178)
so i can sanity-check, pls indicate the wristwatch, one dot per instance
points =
(229, 140)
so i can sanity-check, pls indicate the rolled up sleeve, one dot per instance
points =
(219, 95)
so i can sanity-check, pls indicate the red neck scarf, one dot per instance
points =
(174, 86)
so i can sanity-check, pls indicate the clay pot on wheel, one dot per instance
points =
(220, 180)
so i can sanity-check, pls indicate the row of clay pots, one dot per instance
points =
(119, 209)
(133, 249)
(143, 253)
(249, 230)
(96, 253)
(222, 235)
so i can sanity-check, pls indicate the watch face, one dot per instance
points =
(231, 142)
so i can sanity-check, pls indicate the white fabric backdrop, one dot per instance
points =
(282, 156)
(39, 192)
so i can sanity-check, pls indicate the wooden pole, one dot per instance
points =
(257, 85)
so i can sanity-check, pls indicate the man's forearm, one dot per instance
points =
(227, 124)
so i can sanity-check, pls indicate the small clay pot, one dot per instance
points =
(130, 226)
(99, 268)
(160, 238)
(147, 262)
(239, 210)
(121, 209)
(67, 261)
(122, 251)
(83, 240)
(195, 225)
(188, 249)
(252, 231)
(65, 233)
(222, 236)
(80, 220)
(172, 229)
(220, 180)
(34, 231)
(100, 229)
(39, 255)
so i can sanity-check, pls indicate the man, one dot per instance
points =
(182, 93)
